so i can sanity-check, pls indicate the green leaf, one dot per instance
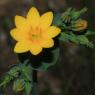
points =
(84, 41)
(22, 73)
(89, 32)
(64, 37)
(5, 80)
(8, 77)
(78, 39)
(73, 38)
(55, 57)
(70, 37)
(28, 87)
(14, 71)
(26, 72)
(76, 14)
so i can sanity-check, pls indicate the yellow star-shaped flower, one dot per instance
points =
(34, 32)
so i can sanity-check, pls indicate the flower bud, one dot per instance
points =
(79, 25)
(18, 85)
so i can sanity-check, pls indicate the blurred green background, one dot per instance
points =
(75, 72)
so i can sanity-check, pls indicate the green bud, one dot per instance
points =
(79, 25)
(18, 85)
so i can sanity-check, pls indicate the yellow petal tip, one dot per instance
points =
(50, 14)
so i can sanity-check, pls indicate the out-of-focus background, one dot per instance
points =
(75, 73)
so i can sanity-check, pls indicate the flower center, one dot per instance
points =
(35, 34)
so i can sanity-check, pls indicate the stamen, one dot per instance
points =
(35, 33)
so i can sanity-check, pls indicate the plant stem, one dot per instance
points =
(35, 83)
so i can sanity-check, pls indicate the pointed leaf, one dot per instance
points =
(28, 88)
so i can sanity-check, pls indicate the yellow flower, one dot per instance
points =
(34, 32)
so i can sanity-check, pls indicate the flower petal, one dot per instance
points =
(46, 20)
(47, 43)
(52, 32)
(35, 49)
(20, 22)
(21, 47)
(14, 34)
(33, 17)
(18, 35)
